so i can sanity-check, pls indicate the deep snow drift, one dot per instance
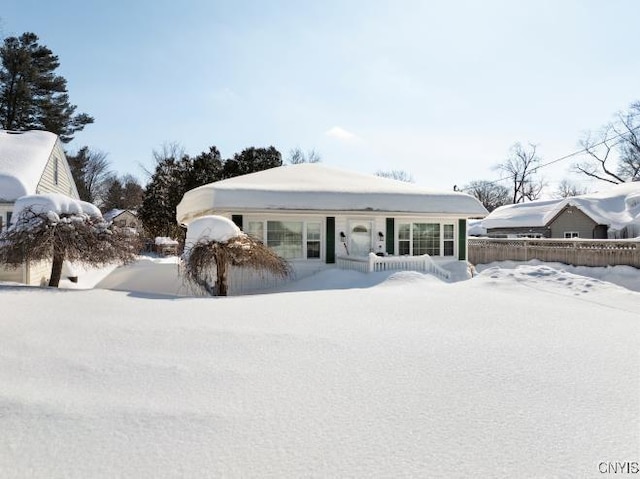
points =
(528, 371)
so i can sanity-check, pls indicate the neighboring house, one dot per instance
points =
(613, 213)
(31, 162)
(313, 215)
(124, 219)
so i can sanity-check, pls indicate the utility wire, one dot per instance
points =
(570, 155)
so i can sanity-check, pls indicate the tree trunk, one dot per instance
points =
(221, 275)
(56, 270)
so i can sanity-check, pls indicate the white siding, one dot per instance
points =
(12, 275)
(38, 273)
(65, 184)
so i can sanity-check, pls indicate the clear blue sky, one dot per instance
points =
(439, 89)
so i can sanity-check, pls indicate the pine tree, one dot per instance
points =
(251, 160)
(32, 96)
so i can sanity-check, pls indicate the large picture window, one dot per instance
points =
(434, 239)
(285, 237)
(289, 239)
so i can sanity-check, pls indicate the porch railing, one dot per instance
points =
(374, 263)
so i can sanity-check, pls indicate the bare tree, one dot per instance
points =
(91, 172)
(297, 156)
(521, 168)
(567, 189)
(209, 257)
(39, 234)
(490, 194)
(399, 175)
(613, 155)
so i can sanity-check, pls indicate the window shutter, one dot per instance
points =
(330, 240)
(462, 239)
(390, 235)
(237, 219)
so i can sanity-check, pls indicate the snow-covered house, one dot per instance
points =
(613, 213)
(123, 218)
(31, 162)
(313, 215)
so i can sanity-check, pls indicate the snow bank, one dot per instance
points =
(23, 157)
(527, 372)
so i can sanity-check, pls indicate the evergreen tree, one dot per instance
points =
(162, 195)
(174, 176)
(205, 168)
(113, 198)
(32, 96)
(132, 193)
(251, 160)
(123, 193)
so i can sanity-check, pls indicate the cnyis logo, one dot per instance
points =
(617, 467)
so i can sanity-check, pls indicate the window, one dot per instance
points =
(55, 170)
(289, 239)
(285, 237)
(255, 229)
(9, 214)
(571, 234)
(313, 240)
(0, 223)
(404, 239)
(421, 238)
(448, 240)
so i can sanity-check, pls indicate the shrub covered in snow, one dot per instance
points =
(58, 228)
(214, 243)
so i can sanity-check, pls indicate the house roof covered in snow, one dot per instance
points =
(23, 158)
(317, 187)
(616, 207)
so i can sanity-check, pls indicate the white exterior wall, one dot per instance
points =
(38, 273)
(64, 184)
(243, 281)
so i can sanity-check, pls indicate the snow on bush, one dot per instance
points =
(58, 228)
(215, 243)
(212, 228)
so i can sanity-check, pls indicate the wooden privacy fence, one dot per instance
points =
(577, 252)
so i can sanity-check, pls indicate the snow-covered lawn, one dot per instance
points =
(523, 371)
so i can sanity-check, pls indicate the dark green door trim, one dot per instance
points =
(390, 239)
(462, 239)
(330, 240)
(237, 219)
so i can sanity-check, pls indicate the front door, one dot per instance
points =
(360, 243)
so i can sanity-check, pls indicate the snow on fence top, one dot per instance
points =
(317, 187)
(617, 207)
(23, 157)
